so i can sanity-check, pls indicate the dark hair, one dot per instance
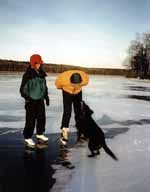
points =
(75, 78)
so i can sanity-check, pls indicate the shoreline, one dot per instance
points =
(22, 72)
(20, 66)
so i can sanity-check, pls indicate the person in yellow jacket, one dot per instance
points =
(71, 83)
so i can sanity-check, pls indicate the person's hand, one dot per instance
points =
(47, 101)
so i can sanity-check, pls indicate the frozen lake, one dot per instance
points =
(121, 107)
(116, 101)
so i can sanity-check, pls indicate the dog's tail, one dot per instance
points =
(109, 152)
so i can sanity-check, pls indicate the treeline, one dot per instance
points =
(138, 61)
(20, 66)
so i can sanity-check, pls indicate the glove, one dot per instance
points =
(47, 101)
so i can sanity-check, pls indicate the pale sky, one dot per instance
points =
(89, 33)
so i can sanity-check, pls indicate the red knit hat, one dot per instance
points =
(35, 59)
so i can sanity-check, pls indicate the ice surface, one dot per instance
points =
(122, 114)
(127, 128)
(107, 96)
(129, 174)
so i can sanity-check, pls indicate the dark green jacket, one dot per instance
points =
(33, 86)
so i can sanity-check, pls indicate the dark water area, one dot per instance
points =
(113, 132)
(137, 88)
(106, 120)
(23, 169)
(139, 97)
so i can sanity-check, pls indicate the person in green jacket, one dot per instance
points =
(34, 90)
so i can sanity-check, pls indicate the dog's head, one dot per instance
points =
(85, 110)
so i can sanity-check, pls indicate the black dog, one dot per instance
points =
(88, 127)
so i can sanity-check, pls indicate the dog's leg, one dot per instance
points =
(97, 152)
(90, 145)
(92, 154)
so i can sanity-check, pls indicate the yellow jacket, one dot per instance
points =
(63, 81)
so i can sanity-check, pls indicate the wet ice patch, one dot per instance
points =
(9, 118)
(130, 173)
(6, 130)
(63, 175)
(17, 125)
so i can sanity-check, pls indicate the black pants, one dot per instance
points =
(35, 115)
(68, 100)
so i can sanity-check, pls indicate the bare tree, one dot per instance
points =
(139, 56)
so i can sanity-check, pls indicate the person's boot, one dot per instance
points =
(29, 142)
(42, 138)
(64, 135)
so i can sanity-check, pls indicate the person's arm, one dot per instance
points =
(46, 97)
(85, 78)
(23, 83)
(58, 82)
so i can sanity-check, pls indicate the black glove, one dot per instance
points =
(47, 100)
